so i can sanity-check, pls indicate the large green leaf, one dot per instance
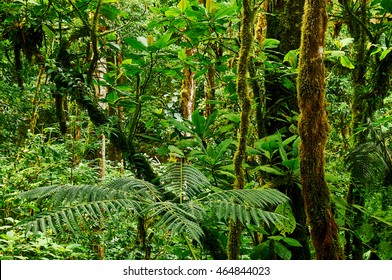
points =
(287, 225)
(387, 5)
(135, 44)
(346, 62)
(282, 251)
(163, 41)
(269, 169)
(271, 43)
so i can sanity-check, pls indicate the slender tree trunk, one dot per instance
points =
(360, 112)
(209, 89)
(188, 90)
(246, 37)
(313, 130)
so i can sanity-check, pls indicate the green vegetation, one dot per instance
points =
(194, 129)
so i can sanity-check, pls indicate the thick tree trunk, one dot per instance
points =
(246, 37)
(313, 130)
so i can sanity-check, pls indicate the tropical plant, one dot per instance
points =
(185, 202)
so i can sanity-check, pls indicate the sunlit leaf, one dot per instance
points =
(346, 62)
(163, 40)
(385, 53)
(182, 5)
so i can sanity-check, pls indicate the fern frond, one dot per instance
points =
(76, 218)
(177, 219)
(185, 181)
(246, 206)
(124, 188)
(256, 198)
(368, 163)
(244, 214)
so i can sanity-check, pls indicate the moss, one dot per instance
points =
(246, 37)
(313, 130)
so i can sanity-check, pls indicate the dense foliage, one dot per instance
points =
(120, 120)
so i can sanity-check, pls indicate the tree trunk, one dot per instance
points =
(246, 37)
(313, 130)
(188, 90)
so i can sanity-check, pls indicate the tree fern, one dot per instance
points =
(78, 208)
(185, 181)
(369, 162)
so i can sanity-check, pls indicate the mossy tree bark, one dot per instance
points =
(286, 27)
(246, 38)
(313, 130)
(284, 20)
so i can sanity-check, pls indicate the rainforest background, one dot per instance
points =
(193, 129)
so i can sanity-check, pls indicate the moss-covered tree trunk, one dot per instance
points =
(313, 130)
(246, 37)
(284, 20)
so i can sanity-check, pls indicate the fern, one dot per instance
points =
(185, 181)
(246, 205)
(369, 162)
(77, 208)
(176, 219)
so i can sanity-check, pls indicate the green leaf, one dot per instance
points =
(109, 1)
(291, 164)
(335, 53)
(385, 53)
(135, 44)
(180, 126)
(346, 62)
(182, 5)
(48, 31)
(282, 251)
(344, 42)
(292, 58)
(222, 148)
(271, 43)
(232, 117)
(211, 118)
(173, 12)
(182, 54)
(198, 121)
(131, 69)
(111, 97)
(261, 251)
(222, 12)
(110, 12)
(209, 6)
(269, 169)
(163, 40)
(387, 5)
(176, 151)
(332, 178)
(291, 241)
(287, 225)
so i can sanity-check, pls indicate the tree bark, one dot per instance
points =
(246, 37)
(313, 130)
